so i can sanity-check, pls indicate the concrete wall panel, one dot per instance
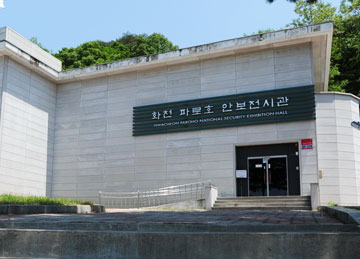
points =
(338, 149)
(27, 131)
(93, 132)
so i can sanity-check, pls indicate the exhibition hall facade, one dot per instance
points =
(253, 115)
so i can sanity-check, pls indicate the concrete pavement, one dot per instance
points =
(252, 217)
(138, 234)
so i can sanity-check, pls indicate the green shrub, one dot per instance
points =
(332, 203)
(35, 200)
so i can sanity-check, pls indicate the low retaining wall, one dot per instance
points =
(345, 215)
(49, 209)
(151, 245)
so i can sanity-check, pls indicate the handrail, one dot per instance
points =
(154, 197)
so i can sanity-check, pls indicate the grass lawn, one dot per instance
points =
(7, 199)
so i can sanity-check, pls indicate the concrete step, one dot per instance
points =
(260, 202)
(266, 198)
(263, 201)
(260, 205)
(264, 208)
(263, 204)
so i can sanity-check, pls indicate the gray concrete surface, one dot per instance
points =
(27, 131)
(226, 218)
(338, 147)
(345, 215)
(149, 245)
(184, 221)
(179, 234)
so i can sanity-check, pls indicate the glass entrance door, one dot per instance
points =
(277, 173)
(268, 176)
(257, 177)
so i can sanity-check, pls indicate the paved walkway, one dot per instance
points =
(200, 217)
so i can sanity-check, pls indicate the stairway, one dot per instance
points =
(264, 203)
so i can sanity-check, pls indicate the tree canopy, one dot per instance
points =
(345, 52)
(294, 1)
(127, 46)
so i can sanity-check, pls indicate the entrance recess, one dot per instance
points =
(268, 170)
(268, 176)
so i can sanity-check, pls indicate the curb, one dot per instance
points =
(345, 215)
(29, 243)
(49, 209)
(117, 226)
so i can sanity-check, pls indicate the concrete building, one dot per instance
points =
(252, 115)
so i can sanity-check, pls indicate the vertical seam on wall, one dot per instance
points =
(274, 66)
(201, 131)
(134, 143)
(2, 99)
(315, 122)
(53, 147)
(234, 180)
(312, 64)
(166, 137)
(103, 173)
(315, 137)
(80, 113)
(316, 146)
(28, 124)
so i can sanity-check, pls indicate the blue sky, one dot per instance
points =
(68, 23)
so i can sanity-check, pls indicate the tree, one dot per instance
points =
(294, 1)
(128, 39)
(128, 46)
(345, 52)
(153, 44)
(312, 13)
(36, 42)
(91, 53)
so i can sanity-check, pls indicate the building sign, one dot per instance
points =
(307, 143)
(274, 106)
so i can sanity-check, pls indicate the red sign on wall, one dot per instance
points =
(307, 143)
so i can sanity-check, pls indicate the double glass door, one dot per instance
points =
(268, 176)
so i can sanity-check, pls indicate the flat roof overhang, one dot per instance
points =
(319, 35)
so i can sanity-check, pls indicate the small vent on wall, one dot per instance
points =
(356, 124)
